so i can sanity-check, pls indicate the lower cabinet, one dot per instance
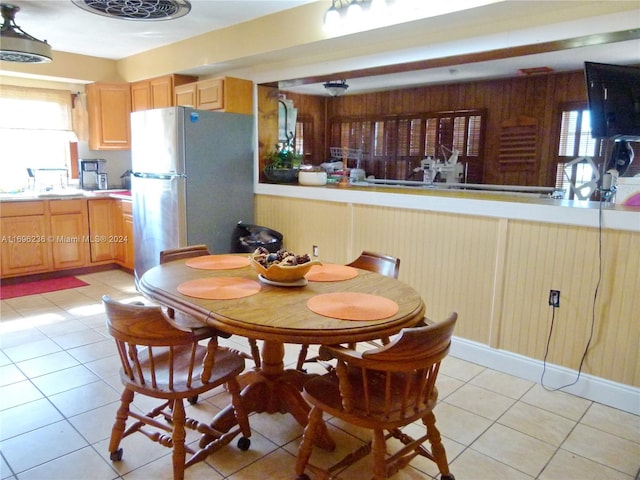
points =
(25, 247)
(127, 220)
(103, 229)
(126, 233)
(69, 240)
(111, 231)
(47, 235)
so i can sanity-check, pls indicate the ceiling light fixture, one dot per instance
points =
(136, 9)
(343, 12)
(336, 89)
(16, 45)
(354, 14)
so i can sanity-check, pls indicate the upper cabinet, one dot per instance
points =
(225, 94)
(109, 106)
(157, 92)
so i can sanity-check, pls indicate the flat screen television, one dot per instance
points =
(613, 92)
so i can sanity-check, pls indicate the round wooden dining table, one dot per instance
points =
(278, 315)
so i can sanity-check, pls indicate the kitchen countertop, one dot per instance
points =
(65, 194)
(488, 204)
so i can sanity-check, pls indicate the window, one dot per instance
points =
(35, 131)
(393, 146)
(575, 141)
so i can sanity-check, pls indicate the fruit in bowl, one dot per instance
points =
(281, 266)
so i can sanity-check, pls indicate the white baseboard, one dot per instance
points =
(617, 395)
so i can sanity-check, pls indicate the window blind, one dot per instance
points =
(35, 131)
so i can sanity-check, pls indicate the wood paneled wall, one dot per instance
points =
(537, 96)
(313, 107)
(267, 123)
(496, 273)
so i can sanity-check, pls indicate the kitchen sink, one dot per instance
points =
(62, 193)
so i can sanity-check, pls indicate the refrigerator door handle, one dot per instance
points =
(159, 176)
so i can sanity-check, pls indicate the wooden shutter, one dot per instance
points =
(518, 144)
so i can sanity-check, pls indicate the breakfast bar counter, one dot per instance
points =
(493, 258)
(490, 203)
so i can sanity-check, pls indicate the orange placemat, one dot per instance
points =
(217, 262)
(330, 272)
(220, 288)
(352, 306)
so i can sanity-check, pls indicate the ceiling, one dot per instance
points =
(623, 53)
(70, 29)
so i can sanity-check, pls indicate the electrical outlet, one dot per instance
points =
(315, 250)
(554, 298)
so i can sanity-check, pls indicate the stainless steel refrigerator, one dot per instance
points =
(192, 180)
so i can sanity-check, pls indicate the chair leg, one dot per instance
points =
(178, 438)
(437, 449)
(302, 356)
(241, 412)
(255, 352)
(120, 423)
(308, 439)
(379, 452)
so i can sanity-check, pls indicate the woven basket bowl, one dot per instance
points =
(284, 274)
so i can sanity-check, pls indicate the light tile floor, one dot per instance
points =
(59, 391)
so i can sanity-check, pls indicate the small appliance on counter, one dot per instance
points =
(103, 182)
(93, 174)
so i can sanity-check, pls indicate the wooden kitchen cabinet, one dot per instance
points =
(157, 92)
(210, 94)
(41, 236)
(103, 230)
(185, 95)
(227, 94)
(109, 107)
(125, 253)
(69, 239)
(140, 96)
(127, 221)
(25, 245)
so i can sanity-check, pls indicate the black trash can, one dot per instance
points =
(246, 238)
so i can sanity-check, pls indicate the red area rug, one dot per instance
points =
(39, 286)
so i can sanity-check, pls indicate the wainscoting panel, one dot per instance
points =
(452, 270)
(305, 223)
(496, 273)
(547, 256)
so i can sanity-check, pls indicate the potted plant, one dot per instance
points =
(282, 164)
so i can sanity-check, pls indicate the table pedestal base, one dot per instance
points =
(272, 389)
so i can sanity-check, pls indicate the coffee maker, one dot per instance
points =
(93, 174)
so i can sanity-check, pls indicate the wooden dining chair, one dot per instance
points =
(383, 389)
(379, 263)
(182, 319)
(374, 262)
(165, 363)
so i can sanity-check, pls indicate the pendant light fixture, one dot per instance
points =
(336, 89)
(16, 45)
